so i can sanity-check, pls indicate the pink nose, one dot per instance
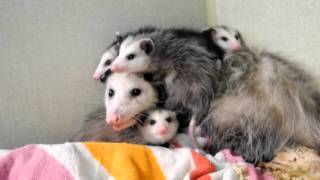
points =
(116, 68)
(236, 47)
(163, 130)
(96, 76)
(113, 118)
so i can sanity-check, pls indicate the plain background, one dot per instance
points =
(49, 50)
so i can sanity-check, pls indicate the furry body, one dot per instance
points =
(181, 59)
(266, 103)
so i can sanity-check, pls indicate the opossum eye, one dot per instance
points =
(107, 63)
(169, 119)
(223, 38)
(111, 93)
(237, 37)
(152, 122)
(130, 56)
(135, 92)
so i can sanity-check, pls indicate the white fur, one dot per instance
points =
(230, 33)
(150, 132)
(141, 60)
(122, 103)
(110, 54)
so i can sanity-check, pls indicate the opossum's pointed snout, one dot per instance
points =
(116, 68)
(162, 130)
(112, 118)
(117, 123)
(236, 47)
(96, 76)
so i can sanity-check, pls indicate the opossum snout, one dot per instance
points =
(96, 76)
(162, 130)
(236, 47)
(113, 118)
(116, 68)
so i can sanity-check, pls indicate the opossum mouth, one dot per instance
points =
(124, 125)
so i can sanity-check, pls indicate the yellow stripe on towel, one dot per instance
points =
(126, 161)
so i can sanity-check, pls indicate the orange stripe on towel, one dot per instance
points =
(203, 167)
(126, 161)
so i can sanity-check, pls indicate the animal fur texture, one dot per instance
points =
(180, 57)
(265, 103)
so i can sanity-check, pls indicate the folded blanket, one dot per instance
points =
(120, 161)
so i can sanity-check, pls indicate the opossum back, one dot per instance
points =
(267, 103)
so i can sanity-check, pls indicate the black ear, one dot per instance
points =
(147, 46)
(208, 31)
(149, 77)
(119, 37)
(162, 95)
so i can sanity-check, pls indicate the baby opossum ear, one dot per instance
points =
(162, 95)
(149, 77)
(209, 31)
(119, 37)
(147, 45)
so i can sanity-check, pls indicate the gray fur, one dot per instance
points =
(183, 60)
(266, 103)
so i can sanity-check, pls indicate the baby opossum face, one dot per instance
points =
(228, 39)
(105, 63)
(134, 55)
(127, 95)
(159, 127)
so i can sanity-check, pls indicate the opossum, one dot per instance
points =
(126, 96)
(181, 59)
(266, 103)
(225, 40)
(159, 126)
(103, 68)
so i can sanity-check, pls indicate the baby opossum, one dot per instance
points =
(178, 57)
(225, 40)
(272, 104)
(103, 68)
(159, 126)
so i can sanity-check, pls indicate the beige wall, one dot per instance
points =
(48, 51)
(290, 27)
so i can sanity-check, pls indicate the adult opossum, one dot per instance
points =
(266, 103)
(127, 95)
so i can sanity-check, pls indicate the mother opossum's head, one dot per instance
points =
(127, 94)
(134, 55)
